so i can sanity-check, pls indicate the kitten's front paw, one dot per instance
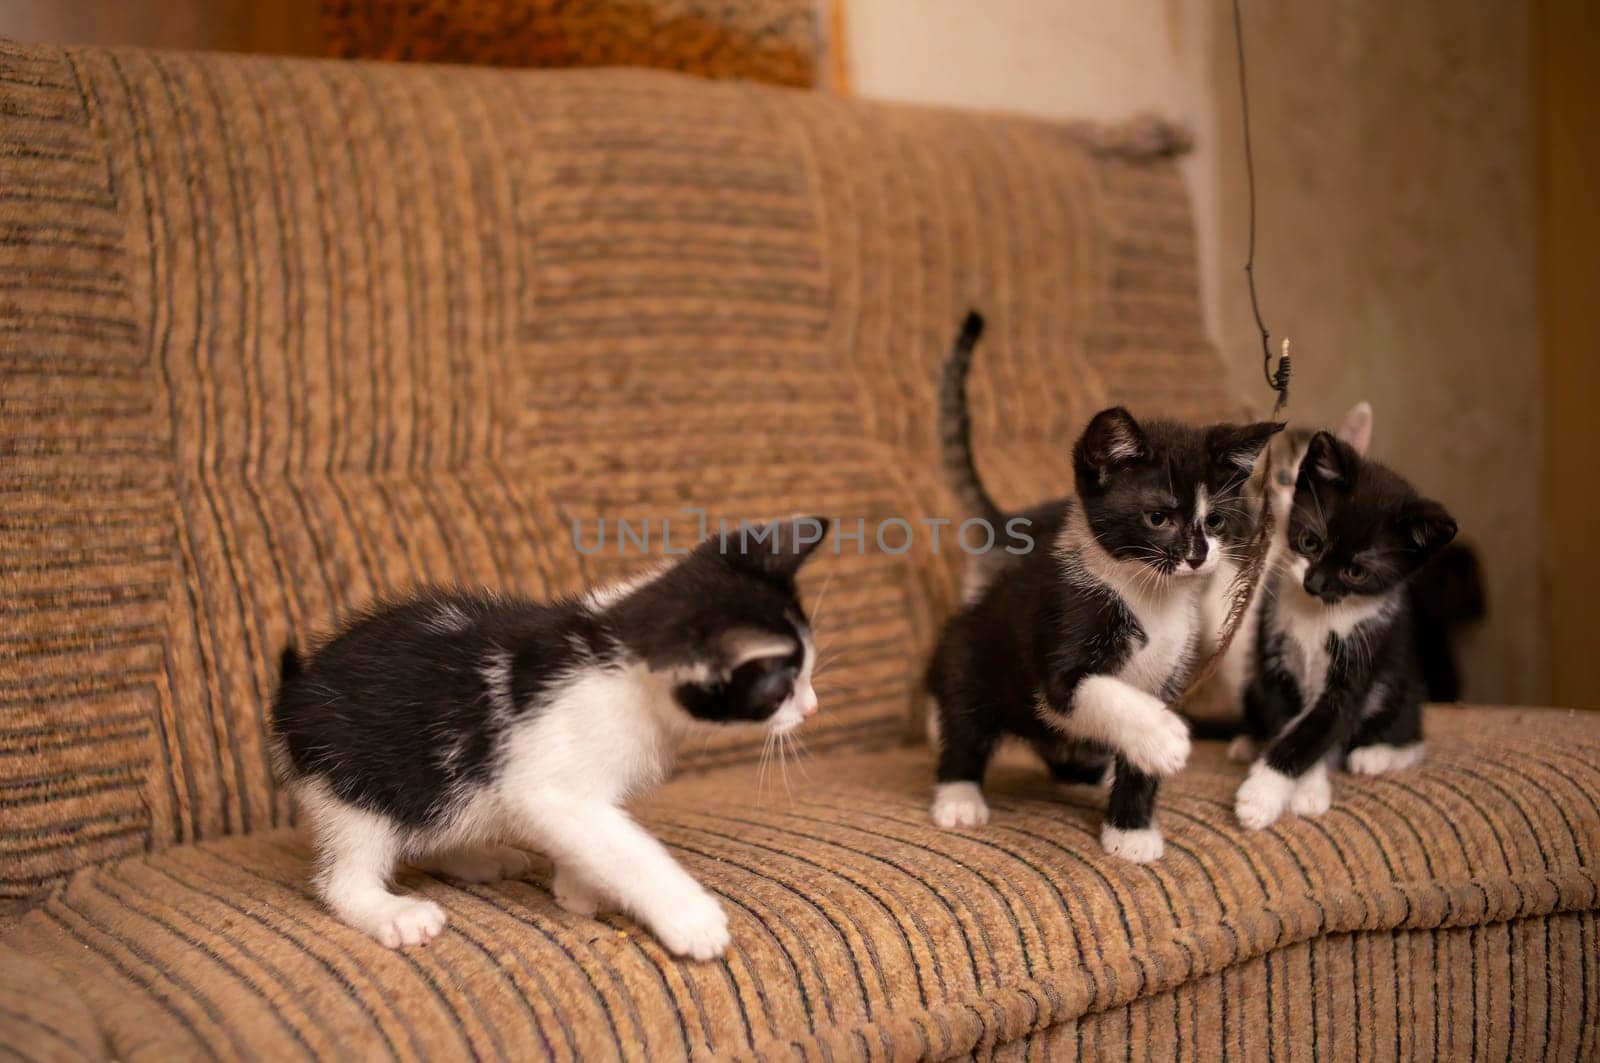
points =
(959, 804)
(1313, 794)
(697, 930)
(488, 864)
(1263, 796)
(399, 921)
(1242, 750)
(1139, 846)
(1161, 746)
(1382, 759)
(573, 895)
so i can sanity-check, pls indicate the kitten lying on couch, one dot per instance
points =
(438, 728)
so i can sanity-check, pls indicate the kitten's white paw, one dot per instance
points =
(573, 895)
(1140, 846)
(1313, 793)
(1160, 747)
(697, 929)
(959, 804)
(1242, 750)
(1263, 796)
(1382, 759)
(488, 864)
(398, 921)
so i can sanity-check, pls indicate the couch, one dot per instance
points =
(280, 335)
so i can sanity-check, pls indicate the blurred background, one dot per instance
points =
(1429, 234)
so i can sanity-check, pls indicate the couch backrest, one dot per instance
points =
(278, 336)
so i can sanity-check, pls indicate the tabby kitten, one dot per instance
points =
(438, 728)
(1078, 646)
(1338, 672)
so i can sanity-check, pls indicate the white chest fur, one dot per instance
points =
(1170, 623)
(1306, 624)
(1167, 610)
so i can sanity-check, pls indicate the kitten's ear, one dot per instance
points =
(1237, 446)
(1427, 526)
(1328, 461)
(1356, 428)
(774, 550)
(1113, 438)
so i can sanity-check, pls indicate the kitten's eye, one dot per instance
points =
(764, 681)
(1308, 543)
(1156, 518)
(1354, 573)
(1284, 477)
(1214, 522)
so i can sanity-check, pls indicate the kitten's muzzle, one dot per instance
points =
(1317, 585)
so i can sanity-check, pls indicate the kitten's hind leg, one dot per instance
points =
(1130, 830)
(573, 894)
(487, 863)
(1073, 765)
(965, 748)
(356, 854)
(1390, 736)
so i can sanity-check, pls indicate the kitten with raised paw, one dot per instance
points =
(1338, 674)
(1079, 645)
(439, 728)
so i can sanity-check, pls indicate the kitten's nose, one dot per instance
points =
(1196, 562)
(808, 705)
(1317, 586)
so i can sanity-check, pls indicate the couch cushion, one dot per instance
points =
(278, 336)
(857, 926)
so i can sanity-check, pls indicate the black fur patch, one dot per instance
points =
(403, 711)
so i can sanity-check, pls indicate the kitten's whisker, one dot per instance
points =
(783, 766)
(800, 755)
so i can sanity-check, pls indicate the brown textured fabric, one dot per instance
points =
(41, 1016)
(1454, 904)
(785, 42)
(1479, 992)
(278, 336)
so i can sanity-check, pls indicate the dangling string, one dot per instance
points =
(1277, 380)
(1244, 585)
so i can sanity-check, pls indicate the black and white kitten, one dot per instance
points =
(1238, 665)
(1078, 646)
(439, 728)
(1338, 669)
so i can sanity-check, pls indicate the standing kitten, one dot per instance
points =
(439, 727)
(1338, 667)
(1078, 646)
(1238, 665)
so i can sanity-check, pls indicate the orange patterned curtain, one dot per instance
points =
(786, 42)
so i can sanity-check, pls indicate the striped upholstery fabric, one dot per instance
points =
(1444, 913)
(277, 336)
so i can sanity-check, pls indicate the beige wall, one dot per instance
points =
(1394, 162)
